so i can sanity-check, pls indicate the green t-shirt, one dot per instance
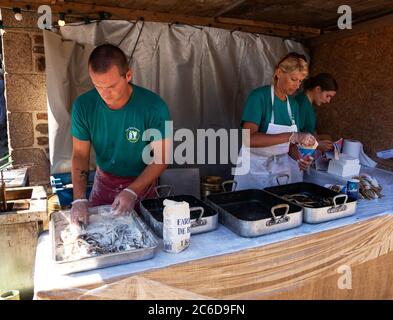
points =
(116, 135)
(308, 118)
(258, 109)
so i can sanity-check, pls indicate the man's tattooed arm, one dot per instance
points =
(83, 174)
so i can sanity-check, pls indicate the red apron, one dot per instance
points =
(107, 186)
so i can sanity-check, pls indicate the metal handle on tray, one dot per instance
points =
(161, 187)
(233, 182)
(196, 209)
(281, 176)
(340, 196)
(279, 206)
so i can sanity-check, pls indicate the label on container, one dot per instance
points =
(353, 188)
(177, 226)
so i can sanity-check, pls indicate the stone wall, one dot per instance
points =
(362, 109)
(25, 91)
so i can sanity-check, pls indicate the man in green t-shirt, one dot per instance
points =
(121, 121)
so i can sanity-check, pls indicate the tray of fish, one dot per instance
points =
(320, 204)
(107, 240)
(204, 218)
(252, 213)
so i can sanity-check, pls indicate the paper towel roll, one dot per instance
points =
(352, 148)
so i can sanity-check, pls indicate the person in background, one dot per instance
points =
(271, 115)
(317, 90)
(112, 119)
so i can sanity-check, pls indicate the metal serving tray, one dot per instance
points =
(252, 213)
(59, 219)
(204, 218)
(344, 206)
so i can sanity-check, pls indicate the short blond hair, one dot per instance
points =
(291, 62)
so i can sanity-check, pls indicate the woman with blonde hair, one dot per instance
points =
(272, 117)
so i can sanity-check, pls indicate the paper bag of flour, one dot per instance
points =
(177, 226)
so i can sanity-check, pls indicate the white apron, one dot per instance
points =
(296, 173)
(269, 166)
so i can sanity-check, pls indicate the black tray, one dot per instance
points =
(313, 190)
(251, 205)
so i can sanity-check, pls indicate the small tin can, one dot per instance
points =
(353, 188)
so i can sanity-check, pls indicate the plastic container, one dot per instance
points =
(209, 185)
(304, 152)
(62, 185)
(177, 226)
(353, 188)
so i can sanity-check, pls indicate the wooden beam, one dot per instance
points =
(356, 29)
(229, 8)
(268, 25)
(129, 14)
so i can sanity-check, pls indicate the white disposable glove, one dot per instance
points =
(304, 139)
(124, 202)
(79, 211)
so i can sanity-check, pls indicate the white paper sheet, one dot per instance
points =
(386, 154)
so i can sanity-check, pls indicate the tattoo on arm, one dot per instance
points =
(83, 174)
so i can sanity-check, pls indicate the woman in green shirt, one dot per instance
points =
(271, 116)
(317, 90)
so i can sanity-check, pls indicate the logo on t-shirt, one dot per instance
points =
(133, 134)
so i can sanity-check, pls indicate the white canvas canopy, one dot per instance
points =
(204, 74)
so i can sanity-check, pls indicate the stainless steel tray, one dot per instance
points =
(204, 218)
(344, 206)
(61, 218)
(252, 213)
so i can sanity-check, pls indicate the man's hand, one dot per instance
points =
(124, 202)
(79, 211)
(305, 163)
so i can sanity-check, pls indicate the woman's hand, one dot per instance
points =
(325, 145)
(303, 139)
(305, 163)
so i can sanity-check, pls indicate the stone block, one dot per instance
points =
(38, 39)
(32, 156)
(39, 63)
(26, 92)
(42, 116)
(42, 141)
(21, 129)
(42, 128)
(39, 175)
(39, 172)
(18, 57)
(39, 49)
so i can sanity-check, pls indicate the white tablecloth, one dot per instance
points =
(218, 242)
